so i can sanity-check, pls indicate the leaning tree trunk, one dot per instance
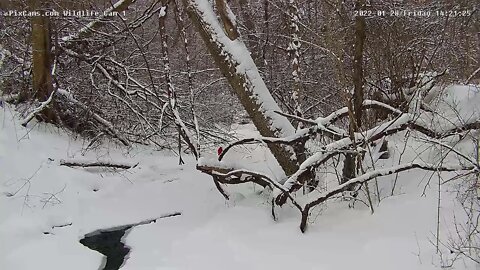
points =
(42, 81)
(235, 62)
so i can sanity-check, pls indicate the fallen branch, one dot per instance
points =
(343, 112)
(39, 109)
(62, 225)
(472, 76)
(402, 122)
(107, 164)
(298, 137)
(238, 176)
(58, 226)
(233, 176)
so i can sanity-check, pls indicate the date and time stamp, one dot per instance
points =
(414, 13)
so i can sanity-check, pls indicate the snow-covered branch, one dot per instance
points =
(118, 6)
(317, 198)
(343, 112)
(96, 163)
(226, 174)
(344, 145)
(39, 109)
(109, 127)
(353, 145)
(299, 137)
(470, 78)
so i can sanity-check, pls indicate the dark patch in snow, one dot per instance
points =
(109, 242)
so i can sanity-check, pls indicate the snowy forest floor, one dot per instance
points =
(45, 209)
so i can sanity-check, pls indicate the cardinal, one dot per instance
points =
(219, 150)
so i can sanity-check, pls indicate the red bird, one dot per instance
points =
(219, 150)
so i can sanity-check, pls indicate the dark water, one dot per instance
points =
(109, 244)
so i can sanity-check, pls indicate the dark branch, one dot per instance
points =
(87, 164)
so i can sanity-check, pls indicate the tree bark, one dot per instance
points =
(42, 61)
(356, 105)
(358, 65)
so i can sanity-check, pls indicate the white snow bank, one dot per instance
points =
(210, 233)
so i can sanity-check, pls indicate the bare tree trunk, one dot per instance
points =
(294, 54)
(42, 59)
(355, 106)
(42, 62)
(297, 92)
(358, 65)
(171, 93)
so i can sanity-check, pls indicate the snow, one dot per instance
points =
(163, 12)
(210, 233)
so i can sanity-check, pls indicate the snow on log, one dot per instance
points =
(343, 112)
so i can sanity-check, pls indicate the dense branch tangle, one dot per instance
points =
(341, 145)
(144, 106)
(148, 113)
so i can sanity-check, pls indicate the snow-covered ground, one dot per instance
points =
(45, 209)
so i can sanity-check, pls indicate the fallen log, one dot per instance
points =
(98, 163)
